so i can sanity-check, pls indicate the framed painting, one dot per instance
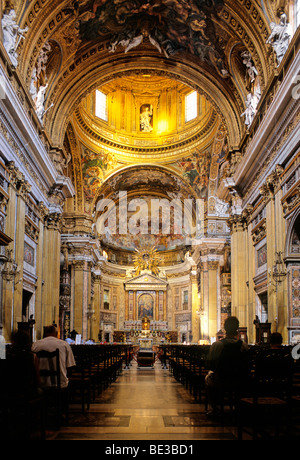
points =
(145, 306)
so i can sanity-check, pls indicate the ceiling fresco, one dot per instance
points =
(172, 26)
(146, 178)
(196, 42)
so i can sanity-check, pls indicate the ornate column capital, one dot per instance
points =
(273, 181)
(237, 223)
(17, 180)
(44, 211)
(79, 264)
(247, 213)
(53, 221)
(10, 269)
(56, 195)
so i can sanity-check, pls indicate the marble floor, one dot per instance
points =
(144, 404)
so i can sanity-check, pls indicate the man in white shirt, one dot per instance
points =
(50, 343)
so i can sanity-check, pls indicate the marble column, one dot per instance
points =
(213, 290)
(156, 315)
(165, 305)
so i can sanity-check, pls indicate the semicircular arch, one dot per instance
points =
(67, 98)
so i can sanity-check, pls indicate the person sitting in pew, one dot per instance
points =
(227, 363)
(66, 358)
(276, 341)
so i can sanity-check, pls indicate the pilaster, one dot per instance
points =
(97, 303)
(240, 265)
(51, 268)
(12, 270)
(195, 305)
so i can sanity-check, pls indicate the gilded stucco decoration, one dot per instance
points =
(146, 259)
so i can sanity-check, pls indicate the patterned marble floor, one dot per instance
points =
(144, 404)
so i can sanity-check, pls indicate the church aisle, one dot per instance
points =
(144, 404)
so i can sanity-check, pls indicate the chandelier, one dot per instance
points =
(278, 272)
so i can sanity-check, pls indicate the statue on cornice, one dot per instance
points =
(40, 101)
(251, 69)
(280, 37)
(12, 35)
(41, 64)
(253, 88)
(252, 102)
(221, 207)
(250, 111)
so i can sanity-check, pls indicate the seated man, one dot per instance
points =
(50, 343)
(227, 362)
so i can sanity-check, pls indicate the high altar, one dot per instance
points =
(146, 295)
(146, 300)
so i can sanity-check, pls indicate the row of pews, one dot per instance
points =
(26, 417)
(97, 367)
(188, 365)
(269, 402)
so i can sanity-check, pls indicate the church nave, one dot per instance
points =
(143, 404)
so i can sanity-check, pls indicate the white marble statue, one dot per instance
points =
(251, 69)
(43, 59)
(250, 111)
(280, 37)
(256, 96)
(40, 101)
(133, 43)
(155, 43)
(12, 35)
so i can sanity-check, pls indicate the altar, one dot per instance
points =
(146, 355)
(145, 344)
(146, 305)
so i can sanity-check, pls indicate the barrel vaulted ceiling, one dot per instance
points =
(198, 42)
